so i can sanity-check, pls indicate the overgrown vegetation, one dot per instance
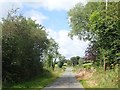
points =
(98, 24)
(40, 82)
(96, 77)
(108, 79)
(23, 44)
(26, 51)
(29, 57)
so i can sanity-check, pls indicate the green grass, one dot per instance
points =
(100, 78)
(103, 79)
(76, 68)
(85, 85)
(106, 79)
(38, 82)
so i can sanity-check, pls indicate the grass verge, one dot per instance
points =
(85, 85)
(99, 78)
(105, 79)
(38, 82)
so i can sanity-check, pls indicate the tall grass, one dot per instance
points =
(103, 79)
(106, 79)
(100, 78)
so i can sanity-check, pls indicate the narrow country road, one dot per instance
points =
(67, 80)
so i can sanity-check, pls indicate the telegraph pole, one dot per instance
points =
(106, 4)
(104, 50)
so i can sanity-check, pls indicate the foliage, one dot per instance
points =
(61, 61)
(97, 24)
(76, 60)
(81, 61)
(79, 19)
(36, 82)
(51, 54)
(69, 63)
(102, 79)
(23, 45)
(91, 52)
(87, 65)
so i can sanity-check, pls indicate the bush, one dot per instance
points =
(23, 44)
(87, 65)
(60, 64)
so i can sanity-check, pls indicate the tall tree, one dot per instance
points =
(52, 53)
(61, 61)
(94, 23)
(91, 52)
(75, 60)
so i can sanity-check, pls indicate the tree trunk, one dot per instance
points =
(105, 67)
(53, 65)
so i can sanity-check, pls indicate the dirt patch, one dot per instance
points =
(84, 74)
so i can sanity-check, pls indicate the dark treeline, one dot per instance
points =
(75, 61)
(25, 49)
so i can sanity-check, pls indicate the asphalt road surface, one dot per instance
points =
(67, 81)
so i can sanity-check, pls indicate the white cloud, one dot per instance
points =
(36, 15)
(67, 46)
(59, 4)
(55, 4)
(6, 5)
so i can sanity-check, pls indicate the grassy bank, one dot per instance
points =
(98, 78)
(39, 82)
(104, 79)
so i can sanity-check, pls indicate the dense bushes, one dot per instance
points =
(23, 45)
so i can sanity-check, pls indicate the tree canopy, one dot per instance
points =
(97, 24)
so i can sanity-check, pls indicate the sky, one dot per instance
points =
(53, 15)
